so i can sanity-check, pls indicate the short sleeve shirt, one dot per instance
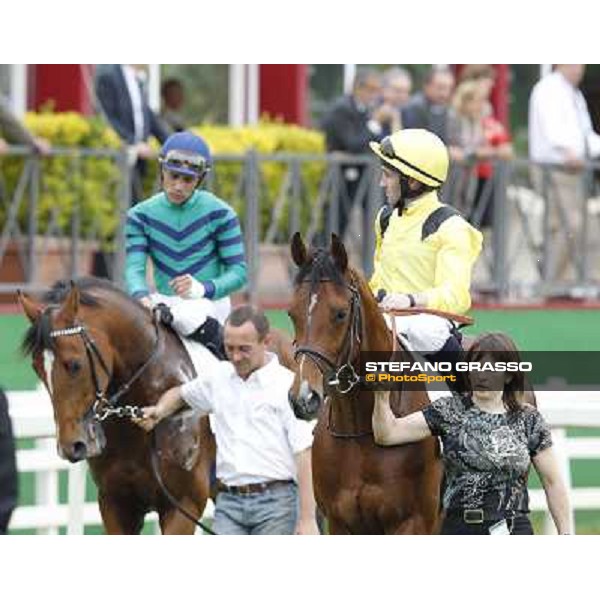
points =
(255, 428)
(486, 456)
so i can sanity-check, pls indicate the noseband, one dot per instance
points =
(104, 407)
(341, 377)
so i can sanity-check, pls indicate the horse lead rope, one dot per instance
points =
(127, 411)
(175, 503)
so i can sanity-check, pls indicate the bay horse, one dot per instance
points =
(94, 341)
(360, 487)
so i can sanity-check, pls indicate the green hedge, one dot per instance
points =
(67, 181)
(94, 182)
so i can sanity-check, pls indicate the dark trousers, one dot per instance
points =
(8, 467)
(520, 525)
(347, 195)
(451, 352)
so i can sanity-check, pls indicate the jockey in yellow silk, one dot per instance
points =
(425, 250)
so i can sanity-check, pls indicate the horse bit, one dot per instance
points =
(343, 377)
(104, 407)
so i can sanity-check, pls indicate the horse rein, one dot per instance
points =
(343, 378)
(104, 407)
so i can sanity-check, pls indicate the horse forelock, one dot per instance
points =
(319, 267)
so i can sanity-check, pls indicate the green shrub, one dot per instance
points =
(70, 182)
(91, 183)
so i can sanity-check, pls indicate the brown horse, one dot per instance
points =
(93, 341)
(361, 488)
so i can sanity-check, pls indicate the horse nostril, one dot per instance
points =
(79, 451)
(314, 401)
(307, 403)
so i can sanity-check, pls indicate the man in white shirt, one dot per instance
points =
(263, 452)
(561, 136)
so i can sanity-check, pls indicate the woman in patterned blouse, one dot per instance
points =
(490, 439)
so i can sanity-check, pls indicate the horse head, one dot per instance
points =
(73, 356)
(329, 306)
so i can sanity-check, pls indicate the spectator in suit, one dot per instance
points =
(120, 92)
(397, 86)
(173, 98)
(430, 109)
(8, 467)
(12, 131)
(351, 123)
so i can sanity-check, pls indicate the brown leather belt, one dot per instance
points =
(252, 488)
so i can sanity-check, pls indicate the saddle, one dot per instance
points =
(178, 437)
(209, 334)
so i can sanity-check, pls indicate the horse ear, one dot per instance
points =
(69, 308)
(298, 248)
(30, 307)
(338, 251)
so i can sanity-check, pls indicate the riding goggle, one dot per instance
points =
(387, 149)
(189, 165)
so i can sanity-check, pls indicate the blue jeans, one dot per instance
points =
(272, 512)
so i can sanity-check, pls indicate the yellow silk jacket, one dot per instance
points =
(439, 264)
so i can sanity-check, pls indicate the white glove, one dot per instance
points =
(196, 291)
(186, 286)
(395, 302)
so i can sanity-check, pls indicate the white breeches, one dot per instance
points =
(188, 315)
(425, 333)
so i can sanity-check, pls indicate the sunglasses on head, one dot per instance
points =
(387, 149)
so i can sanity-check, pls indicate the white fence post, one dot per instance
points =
(46, 485)
(77, 481)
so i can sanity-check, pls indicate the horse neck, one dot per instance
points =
(354, 411)
(133, 337)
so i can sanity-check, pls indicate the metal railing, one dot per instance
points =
(52, 220)
(541, 223)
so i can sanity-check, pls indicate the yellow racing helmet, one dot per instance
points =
(416, 153)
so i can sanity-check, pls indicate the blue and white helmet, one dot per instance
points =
(185, 153)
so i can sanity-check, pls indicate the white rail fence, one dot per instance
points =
(32, 418)
(31, 414)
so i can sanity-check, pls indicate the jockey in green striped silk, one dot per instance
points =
(193, 240)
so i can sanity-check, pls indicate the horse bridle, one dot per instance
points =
(342, 377)
(104, 407)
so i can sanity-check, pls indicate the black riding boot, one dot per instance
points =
(210, 335)
(451, 352)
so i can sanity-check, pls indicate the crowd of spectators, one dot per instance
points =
(455, 104)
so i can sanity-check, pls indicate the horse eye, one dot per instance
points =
(340, 315)
(73, 367)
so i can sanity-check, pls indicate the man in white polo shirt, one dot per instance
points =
(263, 452)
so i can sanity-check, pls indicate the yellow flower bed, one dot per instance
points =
(89, 183)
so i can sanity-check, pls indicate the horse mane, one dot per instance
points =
(37, 337)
